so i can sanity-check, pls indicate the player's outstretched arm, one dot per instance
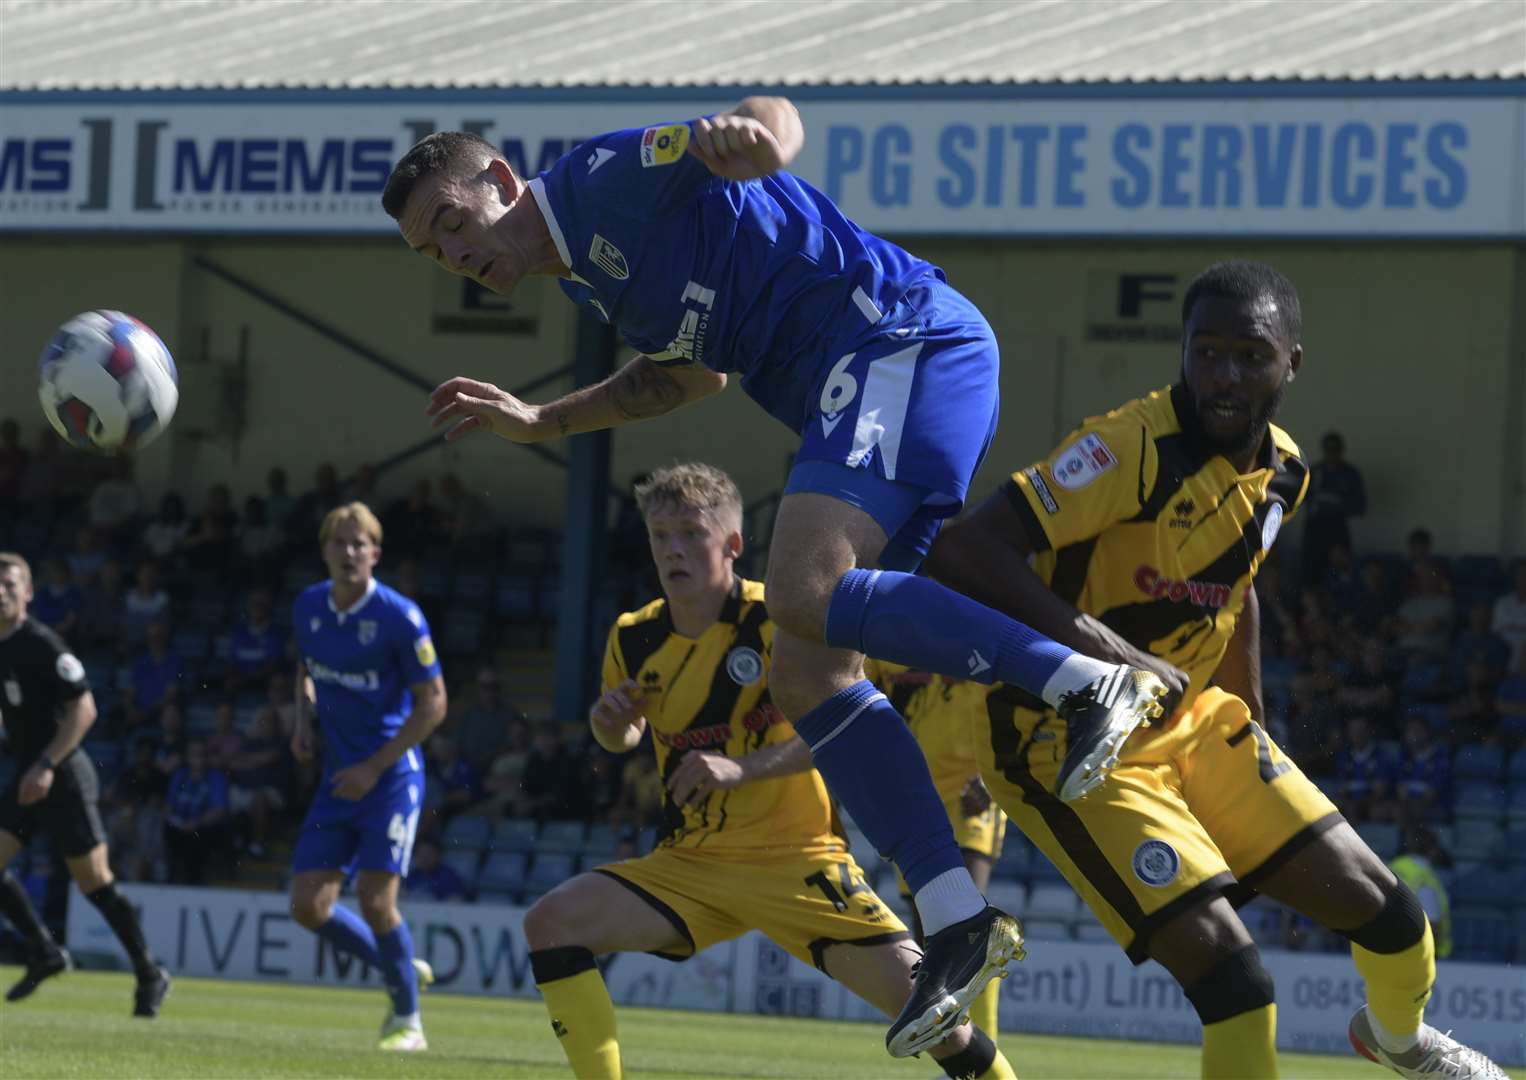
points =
(985, 556)
(758, 137)
(640, 390)
(74, 719)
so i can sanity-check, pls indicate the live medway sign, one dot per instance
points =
(1338, 166)
(1063, 988)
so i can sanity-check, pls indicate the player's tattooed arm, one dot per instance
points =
(640, 390)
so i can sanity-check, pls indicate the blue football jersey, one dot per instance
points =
(362, 661)
(766, 277)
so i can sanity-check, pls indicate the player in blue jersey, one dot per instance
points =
(368, 670)
(693, 241)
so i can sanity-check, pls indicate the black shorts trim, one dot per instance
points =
(820, 946)
(1245, 890)
(661, 909)
(1139, 949)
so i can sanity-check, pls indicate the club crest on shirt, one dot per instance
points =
(744, 665)
(1088, 459)
(367, 629)
(423, 648)
(1156, 863)
(1272, 524)
(608, 258)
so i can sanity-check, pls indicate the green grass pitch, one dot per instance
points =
(77, 1026)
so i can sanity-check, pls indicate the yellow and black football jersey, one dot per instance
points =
(1137, 524)
(710, 693)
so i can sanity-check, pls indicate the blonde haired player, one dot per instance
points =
(752, 840)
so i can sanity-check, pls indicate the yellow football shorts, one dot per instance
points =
(1208, 805)
(804, 903)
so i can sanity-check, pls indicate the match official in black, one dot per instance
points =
(46, 707)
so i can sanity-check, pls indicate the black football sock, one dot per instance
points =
(17, 907)
(123, 920)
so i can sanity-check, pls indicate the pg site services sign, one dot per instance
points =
(1063, 988)
(1357, 166)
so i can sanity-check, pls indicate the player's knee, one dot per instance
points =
(1398, 925)
(311, 910)
(1237, 984)
(379, 909)
(798, 602)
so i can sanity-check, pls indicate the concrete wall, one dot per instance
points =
(1414, 352)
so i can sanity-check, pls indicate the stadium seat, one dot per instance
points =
(515, 834)
(1015, 858)
(1046, 930)
(1041, 870)
(1479, 801)
(516, 598)
(1478, 761)
(1010, 896)
(560, 837)
(1476, 843)
(1517, 769)
(548, 871)
(472, 587)
(548, 597)
(1092, 931)
(463, 833)
(503, 873)
(464, 863)
(1382, 837)
(1481, 935)
(1487, 886)
(463, 632)
(1053, 901)
(1263, 918)
(1483, 573)
(200, 718)
(646, 839)
(601, 840)
(1515, 810)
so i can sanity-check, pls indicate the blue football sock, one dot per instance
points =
(915, 621)
(875, 769)
(397, 970)
(349, 933)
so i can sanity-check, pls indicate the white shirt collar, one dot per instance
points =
(356, 606)
(538, 189)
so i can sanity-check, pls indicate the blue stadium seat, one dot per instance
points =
(1479, 801)
(601, 840)
(1382, 837)
(1486, 886)
(1422, 680)
(194, 646)
(466, 834)
(1478, 761)
(1479, 934)
(1476, 842)
(463, 632)
(503, 873)
(1053, 900)
(515, 834)
(1483, 573)
(1010, 896)
(472, 586)
(549, 870)
(516, 598)
(1515, 811)
(1517, 769)
(464, 863)
(1042, 871)
(1016, 855)
(646, 839)
(560, 837)
(548, 598)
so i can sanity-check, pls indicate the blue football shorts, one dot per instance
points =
(372, 833)
(902, 418)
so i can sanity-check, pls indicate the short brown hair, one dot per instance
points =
(358, 512)
(9, 559)
(692, 485)
(442, 152)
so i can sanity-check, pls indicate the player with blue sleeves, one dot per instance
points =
(697, 245)
(368, 670)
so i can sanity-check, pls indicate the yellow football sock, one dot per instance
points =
(1001, 1069)
(1244, 1047)
(983, 1011)
(582, 1015)
(1398, 984)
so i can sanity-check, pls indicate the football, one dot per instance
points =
(107, 383)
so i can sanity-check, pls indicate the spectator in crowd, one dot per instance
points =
(548, 770)
(47, 481)
(146, 602)
(412, 524)
(257, 777)
(280, 703)
(1277, 622)
(500, 781)
(258, 646)
(165, 534)
(1318, 681)
(429, 878)
(195, 812)
(1418, 866)
(1369, 688)
(226, 742)
(1423, 624)
(1424, 781)
(1343, 579)
(1336, 495)
(114, 502)
(102, 616)
(211, 548)
(597, 791)
(1313, 628)
(1473, 715)
(141, 782)
(641, 793)
(310, 507)
(452, 780)
(482, 729)
(1478, 641)
(1510, 706)
(465, 514)
(261, 540)
(169, 750)
(278, 502)
(1509, 619)
(136, 818)
(1364, 775)
(89, 554)
(362, 486)
(59, 602)
(1370, 608)
(157, 675)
